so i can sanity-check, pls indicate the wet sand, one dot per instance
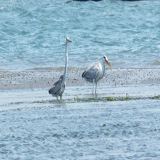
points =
(31, 86)
(45, 77)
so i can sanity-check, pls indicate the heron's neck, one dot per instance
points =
(66, 62)
(103, 65)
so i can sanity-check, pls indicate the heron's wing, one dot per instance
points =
(56, 83)
(92, 71)
(56, 87)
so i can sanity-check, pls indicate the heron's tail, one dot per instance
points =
(50, 91)
(83, 74)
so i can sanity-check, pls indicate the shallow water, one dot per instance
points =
(32, 34)
(35, 126)
(9, 98)
(99, 130)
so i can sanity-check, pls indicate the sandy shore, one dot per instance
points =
(45, 77)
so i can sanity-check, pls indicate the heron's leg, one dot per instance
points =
(60, 97)
(57, 98)
(95, 89)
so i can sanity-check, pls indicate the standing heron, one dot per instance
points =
(59, 86)
(96, 71)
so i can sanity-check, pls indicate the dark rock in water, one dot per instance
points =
(87, 0)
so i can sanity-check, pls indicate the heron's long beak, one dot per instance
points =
(109, 63)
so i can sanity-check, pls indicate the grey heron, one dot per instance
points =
(96, 71)
(59, 86)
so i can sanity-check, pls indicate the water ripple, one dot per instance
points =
(82, 131)
(38, 31)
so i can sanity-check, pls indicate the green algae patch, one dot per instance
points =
(17, 103)
(118, 98)
(38, 101)
(156, 97)
(83, 100)
(101, 99)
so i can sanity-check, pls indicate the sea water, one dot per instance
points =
(81, 131)
(32, 33)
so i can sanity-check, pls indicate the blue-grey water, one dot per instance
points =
(81, 131)
(32, 33)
